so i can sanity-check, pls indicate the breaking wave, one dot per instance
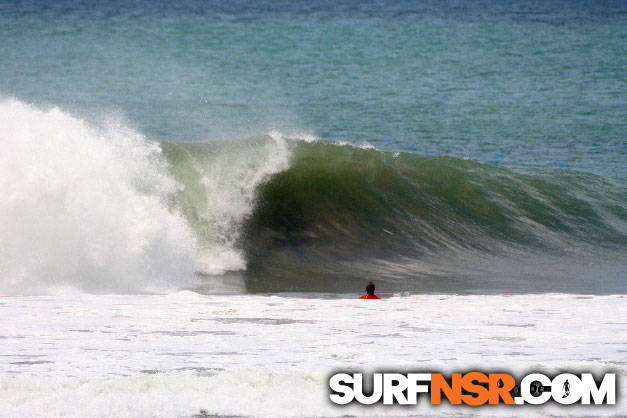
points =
(103, 209)
(433, 223)
(85, 208)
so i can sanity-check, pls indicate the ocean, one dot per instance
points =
(238, 162)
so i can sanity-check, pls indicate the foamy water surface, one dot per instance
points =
(184, 354)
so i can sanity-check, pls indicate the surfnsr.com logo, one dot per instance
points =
(472, 388)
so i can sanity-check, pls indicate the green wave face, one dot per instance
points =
(325, 217)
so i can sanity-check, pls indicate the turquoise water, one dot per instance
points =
(511, 83)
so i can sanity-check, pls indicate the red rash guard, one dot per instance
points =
(366, 296)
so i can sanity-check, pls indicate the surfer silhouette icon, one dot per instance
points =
(566, 389)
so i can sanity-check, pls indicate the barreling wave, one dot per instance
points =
(312, 215)
(347, 212)
(103, 209)
(345, 195)
(220, 182)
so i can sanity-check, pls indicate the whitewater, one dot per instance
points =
(186, 354)
(90, 208)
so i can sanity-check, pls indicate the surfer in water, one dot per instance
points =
(370, 292)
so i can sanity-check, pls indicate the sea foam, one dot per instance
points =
(186, 354)
(85, 207)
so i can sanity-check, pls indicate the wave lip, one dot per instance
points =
(220, 184)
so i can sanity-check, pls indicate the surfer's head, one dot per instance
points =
(370, 288)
